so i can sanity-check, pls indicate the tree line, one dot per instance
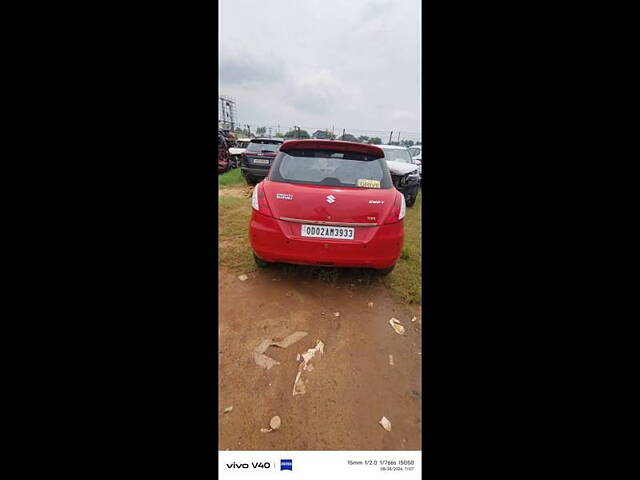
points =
(347, 137)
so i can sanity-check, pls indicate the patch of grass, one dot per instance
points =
(232, 177)
(235, 252)
(406, 279)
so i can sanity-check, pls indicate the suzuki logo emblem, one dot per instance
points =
(331, 199)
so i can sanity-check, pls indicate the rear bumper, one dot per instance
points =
(272, 240)
(254, 171)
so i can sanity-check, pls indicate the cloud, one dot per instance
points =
(315, 63)
(376, 9)
(242, 67)
(403, 115)
(317, 92)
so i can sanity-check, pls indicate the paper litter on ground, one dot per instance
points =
(275, 423)
(386, 424)
(396, 326)
(299, 387)
(267, 362)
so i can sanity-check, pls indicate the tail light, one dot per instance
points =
(398, 210)
(259, 201)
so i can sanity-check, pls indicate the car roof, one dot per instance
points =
(331, 145)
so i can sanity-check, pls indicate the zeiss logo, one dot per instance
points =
(286, 464)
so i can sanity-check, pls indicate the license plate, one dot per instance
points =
(319, 231)
(261, 161)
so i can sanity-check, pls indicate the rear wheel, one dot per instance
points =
(261, 263)
(387, 271)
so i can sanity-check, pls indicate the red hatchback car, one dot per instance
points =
(328, 203)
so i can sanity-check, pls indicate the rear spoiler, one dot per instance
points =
(338, 145)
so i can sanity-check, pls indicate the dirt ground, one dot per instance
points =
(352, 384)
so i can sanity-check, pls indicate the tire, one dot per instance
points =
(386, 271)
(261, 263)
(410, 198)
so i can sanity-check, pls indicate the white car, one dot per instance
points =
(416, 152)
(405, 172)
(241, 146)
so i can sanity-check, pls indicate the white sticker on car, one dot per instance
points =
(376, 201)
(284, 196)
(363, 182)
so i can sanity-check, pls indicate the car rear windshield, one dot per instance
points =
(397, 155)
(331, 168)
(259, 146)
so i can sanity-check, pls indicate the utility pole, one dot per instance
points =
(269, 132)
(398, 138)
(249, 128)
(390, 135)
(343, 134)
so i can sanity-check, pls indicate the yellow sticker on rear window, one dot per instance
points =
(368, 183)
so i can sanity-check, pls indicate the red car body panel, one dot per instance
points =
(275, 233)
(276, 240)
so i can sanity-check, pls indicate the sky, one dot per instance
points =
(318, 64)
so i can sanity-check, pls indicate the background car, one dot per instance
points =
(404, 172)
(256, 160)
(328, 203)
(237, 149)
(223, 154)
(416, 152)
